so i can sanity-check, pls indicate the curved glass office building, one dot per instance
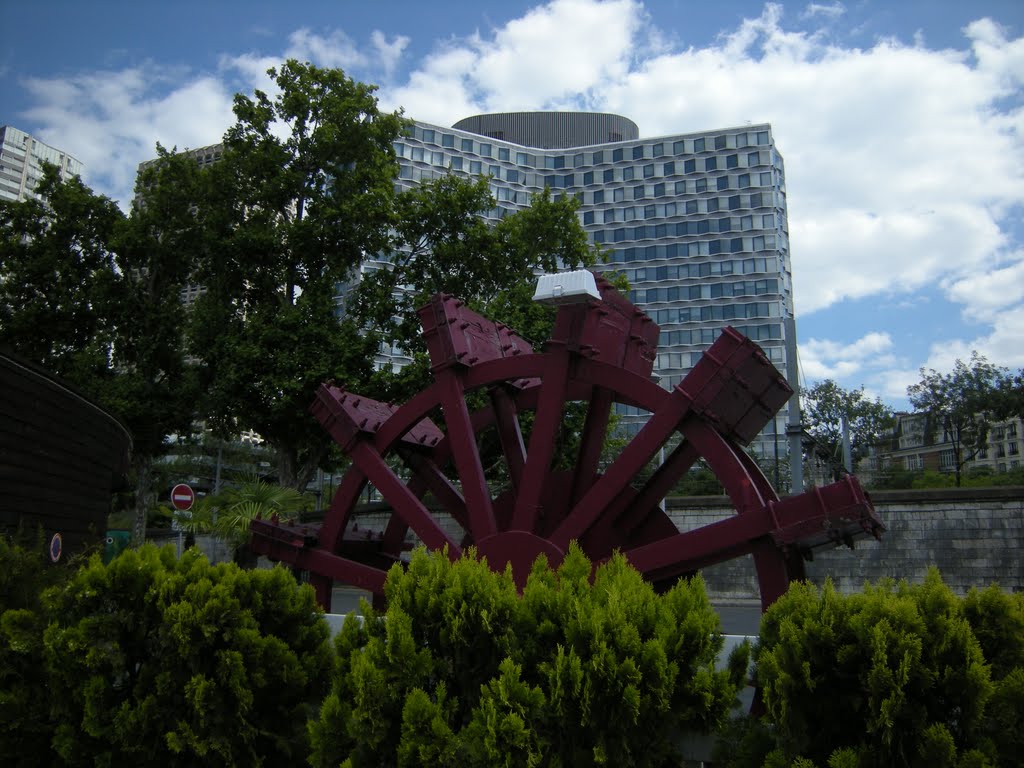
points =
(696, 221)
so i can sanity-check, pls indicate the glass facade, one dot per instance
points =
(697, 222)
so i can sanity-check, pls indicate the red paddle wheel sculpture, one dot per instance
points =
(485, 379)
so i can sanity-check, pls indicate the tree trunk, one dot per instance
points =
(293, 473)
(143, 470)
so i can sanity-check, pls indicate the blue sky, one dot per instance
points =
(901, 123)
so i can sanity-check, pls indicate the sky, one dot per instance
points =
(901, 123)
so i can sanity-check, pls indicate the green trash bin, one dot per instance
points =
(116, 542)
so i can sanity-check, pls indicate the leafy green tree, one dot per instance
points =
(288, 217)
(893, 676)
(442, 243)
(461, 670)
(962, 405)
(166, 661)
(826, 406)
(303, 194)
(93, 296)
(56, 278)
(1010, 396)
(153, 388)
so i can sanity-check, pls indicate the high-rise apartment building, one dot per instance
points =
(21, 163)
(696, 221)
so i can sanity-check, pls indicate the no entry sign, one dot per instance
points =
(182, 496)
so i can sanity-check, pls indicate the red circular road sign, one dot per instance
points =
(182, 496)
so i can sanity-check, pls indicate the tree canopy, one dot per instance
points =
(303, 194)
(826, 406)
(962, 404)
(94, 296)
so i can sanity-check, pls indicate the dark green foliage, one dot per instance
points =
(826, 406)
(963, 405)
(462, 671)
(25, 728)
(56, 277)
(287, 218)
(892, 676)
(154, 660)
(997, 619)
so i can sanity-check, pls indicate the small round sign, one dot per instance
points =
(182, 496)
(56, 547)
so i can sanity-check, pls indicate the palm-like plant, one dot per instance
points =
(227, 514)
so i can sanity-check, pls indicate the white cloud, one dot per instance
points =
(336, 49)
(985, 295)
(833, 11)
(1003, 345)
(112, 121)
(828, 359)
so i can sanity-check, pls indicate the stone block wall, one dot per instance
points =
(974, 536)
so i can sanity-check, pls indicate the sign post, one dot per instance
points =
(182, 499)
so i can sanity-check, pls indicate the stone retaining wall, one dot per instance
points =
(974, 536)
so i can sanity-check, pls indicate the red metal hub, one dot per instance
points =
(427, 457)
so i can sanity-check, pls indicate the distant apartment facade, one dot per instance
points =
(21, 163)
(918, 444)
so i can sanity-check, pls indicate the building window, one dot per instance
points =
(722, 182)
(711, 164)
(447, 140)
(698, 145)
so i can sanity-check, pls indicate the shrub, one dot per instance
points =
(462, 671)
(154, 660)
(892, 676)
